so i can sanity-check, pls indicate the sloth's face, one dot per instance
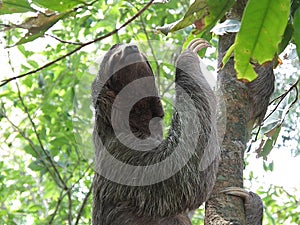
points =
(115, 92)
(124, 64)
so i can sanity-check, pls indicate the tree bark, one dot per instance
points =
(222, 208)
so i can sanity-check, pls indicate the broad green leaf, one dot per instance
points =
(276, 134)
(28, 38)
(204, 14)
(24, 51)
(37, 26)
(228, 55)
(262, 27)
(297, 30)
(268, 146)
(15, 6)
(217, 9)
(35, 208)
(34, 152)
(288, 33)
(196, 11)
(36, 165)
(59, 5)
(268, 167)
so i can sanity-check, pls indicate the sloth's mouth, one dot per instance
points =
(132, 58)
(130, 54)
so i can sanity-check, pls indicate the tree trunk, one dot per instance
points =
(222, 208)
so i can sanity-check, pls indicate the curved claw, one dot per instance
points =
(197, 44)
(236, 191)
(253, 204)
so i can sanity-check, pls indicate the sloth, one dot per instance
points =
(140, 177)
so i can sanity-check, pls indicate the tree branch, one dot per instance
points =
(153, 54)
(220, 208)
(83, 204)
(63, 41)
(16, 128)
(68, 192)
(69, 207)
(5, 81)
(61, 197)
(63, 184)
(282, 96)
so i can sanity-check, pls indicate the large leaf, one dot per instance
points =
(59, 5)
(217, 9)
(297, 30)
(195, 12)
(288, 34)
(37, 26)
(263, 25)
(203, 13)
(15, 6)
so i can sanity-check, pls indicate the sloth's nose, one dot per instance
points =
(131, 49)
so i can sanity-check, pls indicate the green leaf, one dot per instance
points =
(297, 30)
(262, 27)
(33, 63)
(268, 146)
(288, 33)
(36, 152)
(28, 149)
(217, 9)
(24, 51)
(228, 55)
(35, 208)
(59, 5)
(195, 12)
(37, 26)
(36, 166)
(269, 167)
(15, 6)
(273, 133)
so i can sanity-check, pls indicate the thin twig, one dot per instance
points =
(61, 197)
(64, 186)
(282, 96)
(5, 81)
(153, 54)
(30, 143)
(83, 204)
(167, 89)
(63, 41)
(70, 214)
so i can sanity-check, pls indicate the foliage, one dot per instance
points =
(285, 213)
(46, 151)
(259, 44)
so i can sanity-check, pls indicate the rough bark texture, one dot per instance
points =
(246, 104)
(222, 208)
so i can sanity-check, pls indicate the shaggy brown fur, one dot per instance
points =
(132, 199)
